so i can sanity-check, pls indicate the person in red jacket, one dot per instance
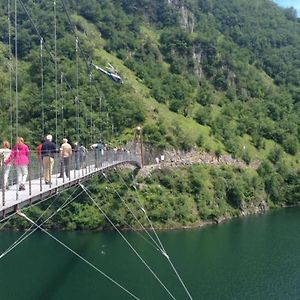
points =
(20, 159)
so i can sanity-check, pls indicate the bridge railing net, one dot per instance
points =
(81, 164)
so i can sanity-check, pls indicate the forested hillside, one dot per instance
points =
(219, 76)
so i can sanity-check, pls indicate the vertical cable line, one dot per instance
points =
(10, 73)
(77, 92)
(16, 83)
(100, 113)
(42, 87)
(62, 104)
(44, 43)
(16, 74)
(91, 108)
(87, 62)
(55, 65)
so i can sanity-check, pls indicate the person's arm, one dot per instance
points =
(11, 156)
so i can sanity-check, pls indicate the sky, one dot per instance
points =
(289, 3)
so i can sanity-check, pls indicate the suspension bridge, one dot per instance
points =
(95, 162)
(14, 201)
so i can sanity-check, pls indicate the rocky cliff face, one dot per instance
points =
(186, 17)
(176, 159)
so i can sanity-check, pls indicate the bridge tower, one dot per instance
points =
(138, 146)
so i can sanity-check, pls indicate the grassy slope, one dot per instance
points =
(160, 111)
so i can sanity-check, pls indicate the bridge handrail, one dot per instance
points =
(81, 164)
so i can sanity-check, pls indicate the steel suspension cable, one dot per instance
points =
(88, 63)
(16, 72)
(139, 203)
(10, 72)
(45, 45)
(142, 236)
(91, 109)
(56, 76)
(78, 255)
(42, 87)
(16, 83)
(101, 118)
(28, 232)
(132, 212)
(157, 237)
(89, 194)
(77, 92)
(40, 36)
(62, 105)
(25, 209)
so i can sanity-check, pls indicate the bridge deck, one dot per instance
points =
(37, 190)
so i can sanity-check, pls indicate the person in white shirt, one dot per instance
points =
(4, 154)
(66, 153)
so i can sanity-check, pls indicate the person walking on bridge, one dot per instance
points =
(66, 153)
(48, 153)
(5, 153)
(20, 158)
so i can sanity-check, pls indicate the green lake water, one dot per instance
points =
(257, 257)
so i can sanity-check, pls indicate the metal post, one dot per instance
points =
(29, 177)
(142, 148)
(2, 179)
(49, 168)
(75, 166)
(40, 168)
(139, 139)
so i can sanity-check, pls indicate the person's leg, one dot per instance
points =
(6, 174)
(20, 175)
(24, 174)
(46, 168)
(67, 166)
(51, 163)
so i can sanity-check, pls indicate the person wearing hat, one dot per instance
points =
(48, 152)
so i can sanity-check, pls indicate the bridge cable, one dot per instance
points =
(53, 58)
(56, 74)
(6, 219)
(28, 232)
(132, 212)
(142, 236)
(154, 231)
(42, 86)
(77, 92)
(144, 211)
(10, 72)
(89, 194)
(62, 105)
(78, 255)
(91, 110)
(44, 42)
(88, 63)
(16, 83)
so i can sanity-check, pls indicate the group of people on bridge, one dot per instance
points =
(46, 152)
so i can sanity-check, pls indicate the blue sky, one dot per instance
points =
(289, 3)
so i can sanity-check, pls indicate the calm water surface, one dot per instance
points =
(251, 258)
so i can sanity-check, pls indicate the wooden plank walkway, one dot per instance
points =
(38, 191)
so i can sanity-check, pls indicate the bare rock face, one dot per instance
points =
(186, 17)
(197, 57)
(176, 159)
